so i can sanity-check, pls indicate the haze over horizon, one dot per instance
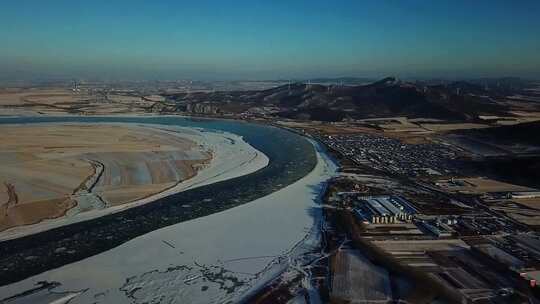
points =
(212, 40)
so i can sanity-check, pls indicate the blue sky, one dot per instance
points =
(269, 39)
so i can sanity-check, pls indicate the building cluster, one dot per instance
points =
(441, 228)
(482, 223)
(202, 108)
(392, 155)
(479, 257)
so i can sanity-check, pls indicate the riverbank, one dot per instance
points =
(60, 170)
(231, 157)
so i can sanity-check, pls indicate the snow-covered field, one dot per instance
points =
(213, 259)
(231, 157)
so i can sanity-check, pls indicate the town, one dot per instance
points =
(402, 217)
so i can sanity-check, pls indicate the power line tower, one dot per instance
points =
(75, 86)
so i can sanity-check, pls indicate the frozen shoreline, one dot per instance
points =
(211, 259)
(232, 157)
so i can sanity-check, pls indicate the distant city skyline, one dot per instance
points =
(212, 40)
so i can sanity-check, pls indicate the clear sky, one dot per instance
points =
(251, 39)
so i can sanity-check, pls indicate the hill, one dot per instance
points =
(457, 101)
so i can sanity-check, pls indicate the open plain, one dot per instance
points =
(62, 100)
(51, 170)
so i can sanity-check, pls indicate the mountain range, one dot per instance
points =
(455, 101)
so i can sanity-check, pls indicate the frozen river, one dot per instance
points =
(213, 257)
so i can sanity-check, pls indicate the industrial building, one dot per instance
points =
(437, 228)
(383, 209)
